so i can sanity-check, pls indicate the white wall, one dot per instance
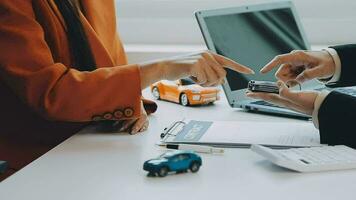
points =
(171, 22)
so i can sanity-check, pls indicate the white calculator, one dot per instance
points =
(310, 159)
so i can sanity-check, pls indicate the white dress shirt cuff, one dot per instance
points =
(337, 62)
(318, 101)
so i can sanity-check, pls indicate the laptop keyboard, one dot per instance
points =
(265, 103)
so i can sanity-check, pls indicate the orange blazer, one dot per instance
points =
(44, 100)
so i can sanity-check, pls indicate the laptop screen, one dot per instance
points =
(253, 39)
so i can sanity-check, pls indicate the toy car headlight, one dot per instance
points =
(196, 97)
(195, 91)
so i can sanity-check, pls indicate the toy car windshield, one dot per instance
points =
(187, 81)
(166, 155)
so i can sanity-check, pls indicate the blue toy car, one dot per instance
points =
(173, 161)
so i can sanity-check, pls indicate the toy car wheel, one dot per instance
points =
(194, 167)
(163, 172)
(155, 93)
(151, 174)
(184, 99)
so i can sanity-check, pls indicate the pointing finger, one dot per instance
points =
(295, 57)
(275, 62)
(228, 63)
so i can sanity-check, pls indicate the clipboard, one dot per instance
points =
(237, 134)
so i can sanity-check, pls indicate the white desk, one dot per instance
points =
(93, 166)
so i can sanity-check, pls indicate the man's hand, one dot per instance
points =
(302, 101)
(302, 66)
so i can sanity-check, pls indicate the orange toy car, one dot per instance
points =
(185, 92)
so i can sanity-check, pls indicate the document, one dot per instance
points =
(243, 133)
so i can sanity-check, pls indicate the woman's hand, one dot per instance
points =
(134, 126)
(302, 101)
(302, 66)
(205, 68)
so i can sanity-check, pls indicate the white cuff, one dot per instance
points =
(317, 103)
(337, 62)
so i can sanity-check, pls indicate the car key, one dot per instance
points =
(263, 86)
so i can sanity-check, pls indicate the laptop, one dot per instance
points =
(253, 35)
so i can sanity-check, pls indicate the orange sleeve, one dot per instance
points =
(53, 90)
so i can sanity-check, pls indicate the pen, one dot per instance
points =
(196, 148)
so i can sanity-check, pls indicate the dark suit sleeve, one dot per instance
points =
(337, 122)
(347, 55)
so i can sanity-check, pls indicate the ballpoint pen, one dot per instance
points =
(196, 148)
